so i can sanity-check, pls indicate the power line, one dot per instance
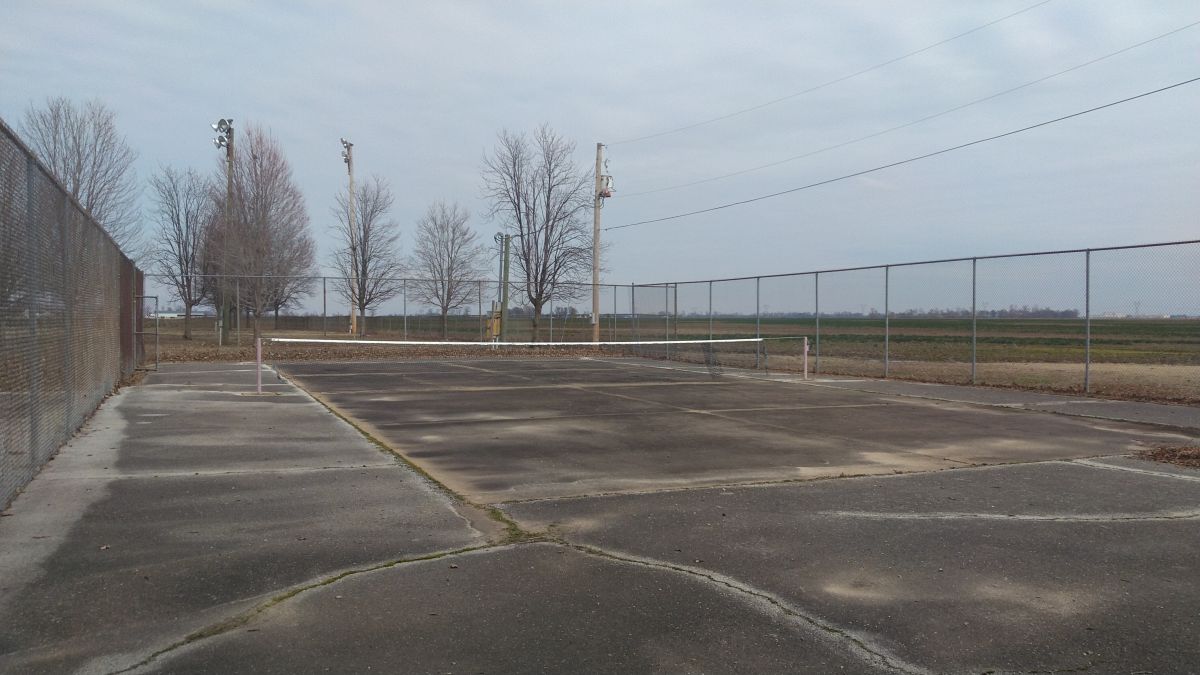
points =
(909, 160)
(913, 122)
(830, 82)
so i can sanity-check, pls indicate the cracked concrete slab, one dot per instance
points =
(516, 430)
(1036, 567)
(239, 532)
(529, 608)
(171, 511)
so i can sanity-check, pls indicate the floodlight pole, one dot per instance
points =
(348, 158)
(597, 203)
(224, 139)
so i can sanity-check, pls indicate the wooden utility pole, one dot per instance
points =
(596, 203)
(348, 157)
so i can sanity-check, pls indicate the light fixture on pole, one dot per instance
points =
(352, 226)
(224, 139)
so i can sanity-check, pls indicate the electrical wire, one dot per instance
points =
(906, 161)
(913, 122)
(834, 81)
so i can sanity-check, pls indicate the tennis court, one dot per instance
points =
(572, 512)
(949, 537)
(500, 430)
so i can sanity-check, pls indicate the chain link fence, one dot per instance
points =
(1122, 321)
(68, 317)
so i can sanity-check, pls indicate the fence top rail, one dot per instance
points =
(933, 262)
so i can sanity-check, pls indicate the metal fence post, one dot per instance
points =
(675, 311)
(667, 308)
(1087, 321)
(614, 316)
(974, 320)
(404, 293)
(324, 309)
(667, 315)
(887, 316)
(757, 321)
(35, 295)
(479, 288)
(237, 304)
(633, 310)
(817, 314)
(710, 315)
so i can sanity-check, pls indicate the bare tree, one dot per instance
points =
(447, 259)
(183, 210)
(537, 191)
(93, 161)
(375, 262)
(267, 244)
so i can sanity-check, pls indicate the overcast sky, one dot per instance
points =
(422, 89)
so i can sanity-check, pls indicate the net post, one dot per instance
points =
(324, 301)
(404, 293)
(806, 357)
(258, 363)
(237, 303)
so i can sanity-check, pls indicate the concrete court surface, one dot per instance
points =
(185, 503)
(662, 521)
(503, 431)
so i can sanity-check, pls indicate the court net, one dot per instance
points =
(714, 354)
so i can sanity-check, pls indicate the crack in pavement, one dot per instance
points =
(857, 645)
(245, 617)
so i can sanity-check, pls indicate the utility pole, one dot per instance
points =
(224, 139)
(504, 291)
(603, 189)
(348, 158)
